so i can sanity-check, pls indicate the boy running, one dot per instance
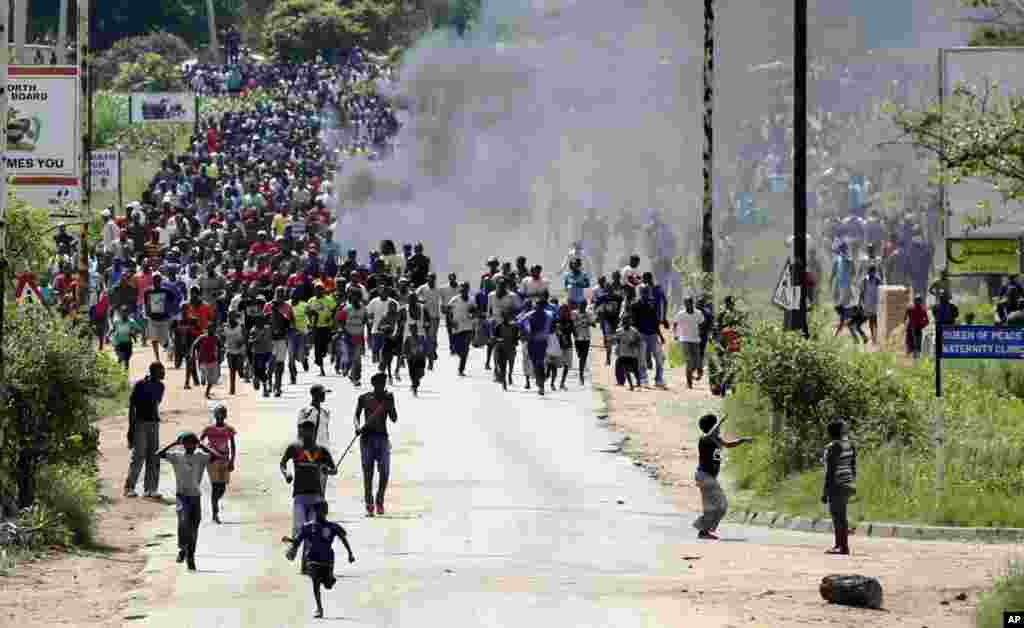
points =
(235, 344)
(416, 350)
(188, 472)
(318, 537)
(506, 341)
(262, 352)
(206, 354)
(220, 438)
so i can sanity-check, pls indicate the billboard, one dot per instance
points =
(62, 201)
(163, 107)
(103, 170)
(43, 124)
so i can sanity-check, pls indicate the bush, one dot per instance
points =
(53, 375)
(1007, 594)
(811, 382)
(46, 525)
(171, 48)
(110, 117)
(72, 492)
(150, 72)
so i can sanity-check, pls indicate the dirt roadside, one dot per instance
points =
(739, 583)
(91, 588)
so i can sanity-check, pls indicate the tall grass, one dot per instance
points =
(1006, 595)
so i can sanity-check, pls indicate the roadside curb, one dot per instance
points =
(881, 530)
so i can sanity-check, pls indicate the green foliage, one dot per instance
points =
(28, 245)
(48, 526)
(171, 48)
(72, 492)
(977, 136)
(110, 117)
(54, 374)
(298, 30)
(1007, 594)
(153, 140)
(811, 382)
(150, 72)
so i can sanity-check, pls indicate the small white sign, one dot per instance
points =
(785, 293)
(104, 170)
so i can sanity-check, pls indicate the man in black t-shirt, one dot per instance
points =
(376, 407)
(309, 461)
(709, 449)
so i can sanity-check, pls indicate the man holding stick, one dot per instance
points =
(377, 406)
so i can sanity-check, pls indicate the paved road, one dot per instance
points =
(503, 511)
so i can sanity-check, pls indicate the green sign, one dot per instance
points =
(983, 256)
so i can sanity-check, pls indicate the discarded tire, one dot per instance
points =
(852, 590)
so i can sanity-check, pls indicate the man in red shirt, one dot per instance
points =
(262, 246)
(196, 315)
(206, 352)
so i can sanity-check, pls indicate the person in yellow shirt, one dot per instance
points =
(297, 337)
(280, 223)
(322, 305)
(212, 170)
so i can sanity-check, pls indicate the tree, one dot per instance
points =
(998, 23)
(29, 244)
(979, 135)
(299, 29)
(170, 47)
(150, 73)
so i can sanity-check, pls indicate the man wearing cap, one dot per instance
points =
(709, 449)
(375, 408)
(159, 303)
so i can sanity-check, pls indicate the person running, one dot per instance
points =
(709, 450)
(206, 354)
(416, 350)
(564, 329)
(144, 432)
(122, 335)
(318, 414)
(537, 326)
(262, 355)
(310, 462)
(686, 327)
(220, 440)
(583, 320)
(375, 408)
(629, 347)
(446, 294)
(297, 337)
(234, 346)
(282, 321)
(323, 307)
(158, 302)
(188, 473)
(353, 320)
(462, 309)
(197, 316)
(317, 537)
(430, 296)
(506, 341)
(388, 328)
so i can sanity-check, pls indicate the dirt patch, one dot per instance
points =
(747, 583)
(92, 587)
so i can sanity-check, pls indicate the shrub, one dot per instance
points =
(171, 48)
(811, 382)
(72, 492)
(53, 376)
(150, 72)
(1007, 594)
(46, 525)
(110, 117)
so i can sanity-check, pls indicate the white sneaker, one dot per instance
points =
(130, 492)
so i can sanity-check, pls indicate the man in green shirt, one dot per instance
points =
(322, 307)
(297, 337)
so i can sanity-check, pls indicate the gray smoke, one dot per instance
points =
(551, 108)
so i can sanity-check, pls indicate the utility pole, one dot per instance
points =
(707, 252)
(62, 33)
(798, 320)
(20, 30)
(4, 63)
(211, 18)
(84, 43)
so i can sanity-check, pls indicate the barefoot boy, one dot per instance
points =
(318, 553)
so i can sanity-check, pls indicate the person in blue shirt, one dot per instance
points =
(537, 326)
(576, 281)
(318, 537)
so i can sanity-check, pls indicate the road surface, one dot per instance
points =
(503, 511)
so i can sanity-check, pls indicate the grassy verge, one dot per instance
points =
(1007, 594)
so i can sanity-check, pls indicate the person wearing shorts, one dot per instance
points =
(318, 537)
(158, 301)
(207, 355)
